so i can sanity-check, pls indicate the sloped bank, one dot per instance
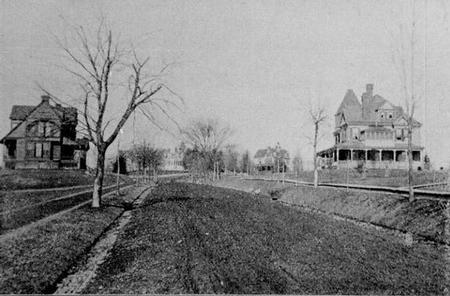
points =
(424, 218)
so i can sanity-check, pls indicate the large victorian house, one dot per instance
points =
(372, 132)
(44, 137)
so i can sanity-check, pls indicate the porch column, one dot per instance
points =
(337, 154)
(380, 152)
(365, 155)
(351, 154)
(395, 155)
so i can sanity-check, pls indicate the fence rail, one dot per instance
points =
(398, 190)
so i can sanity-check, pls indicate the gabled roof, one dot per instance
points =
(350, 101)
(351, 110)
(261, 153)
(350, 106)
(377, 101)
(268, 152)
(20, 112)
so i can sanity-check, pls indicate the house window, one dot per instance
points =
(30, 149)
(56, 152)
(12, 149)
(46, 149)
(48, 129)
(41, 128)
(390, 116)
(356, 133)
(399, 136)
(38, 151)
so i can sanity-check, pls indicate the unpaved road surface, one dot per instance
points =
(199, 239)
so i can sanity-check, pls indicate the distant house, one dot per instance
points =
(173, 160)
(44, 137)
(373, 132)
(271, 159)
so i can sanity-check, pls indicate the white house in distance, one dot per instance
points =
(373, 132)
(173, 159)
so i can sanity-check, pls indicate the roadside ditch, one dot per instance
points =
(75, 279)
(422, 220)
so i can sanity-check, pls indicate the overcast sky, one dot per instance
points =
(255, 65)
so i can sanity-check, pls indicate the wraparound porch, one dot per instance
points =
(371, 158)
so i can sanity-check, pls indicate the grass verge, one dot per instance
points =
(39, 179)
(422, 217)
(378, 177)
(36, 210)
(200, 239)
(34, 259)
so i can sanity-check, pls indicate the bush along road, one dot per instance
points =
(188, 238)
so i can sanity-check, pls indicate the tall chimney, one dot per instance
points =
(366, 98)
(369, 89)
(45, 99)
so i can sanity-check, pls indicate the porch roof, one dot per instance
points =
(361, 146)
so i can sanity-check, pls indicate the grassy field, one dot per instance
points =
(32, 260)
(394, 178)
(422, 217)
(203, 239)
(38, 179)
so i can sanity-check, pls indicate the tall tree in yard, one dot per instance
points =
(406, 60)
(317, 116)
(110, 74)
(246, 162)
(206, 138)
(146, 157)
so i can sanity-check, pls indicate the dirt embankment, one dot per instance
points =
(425, 218)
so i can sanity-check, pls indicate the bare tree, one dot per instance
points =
(230, 158)
(246, 162)
(405, 59)
(206, 137)
(146, 157)
(317, 116)
(297, 164)
(97, 58)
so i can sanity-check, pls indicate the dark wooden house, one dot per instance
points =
(44, 137)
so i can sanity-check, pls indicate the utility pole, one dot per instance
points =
(118, 163)
(347, 173)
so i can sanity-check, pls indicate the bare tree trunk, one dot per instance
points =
(448, 178)
(316, 173)
(98, 183)
(410, 161)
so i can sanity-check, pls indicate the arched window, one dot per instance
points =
(42, 128)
